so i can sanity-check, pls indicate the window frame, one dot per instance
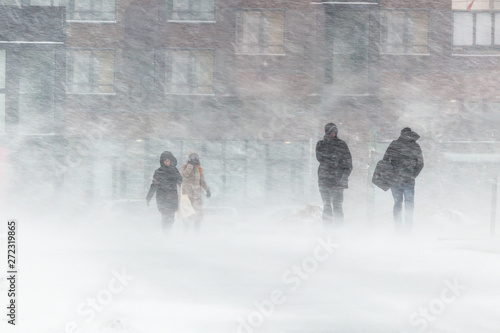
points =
(92, 79)
(170, 12)
(495, 44)
(262, 33)
(167, 71)
(70, 10)
(406, 33)
(51, 4)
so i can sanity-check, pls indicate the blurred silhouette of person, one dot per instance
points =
(335, 166)
(193, 182)
(165, 182)
(405, 156)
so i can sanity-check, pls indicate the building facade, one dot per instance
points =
(94, 91)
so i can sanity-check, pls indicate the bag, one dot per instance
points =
(384, 175)
(185, 207)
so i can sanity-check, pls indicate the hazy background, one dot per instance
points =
(92, 93)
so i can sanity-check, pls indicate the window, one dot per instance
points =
(348, 69)
(476, 29)
(475, 5)
(91, 10)
(11, 3)
(48, 2)
(476, 25)
(191, 10)
(404, 31)
(260, 31)
(2, 90)
(189, 72)
(81, 10)
(90, 71)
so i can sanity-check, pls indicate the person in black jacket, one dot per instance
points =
(405, 155)
(165, 181)
(335, 166)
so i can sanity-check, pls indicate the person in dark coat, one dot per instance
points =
(335, 166)
(165, 181)
(405, 156)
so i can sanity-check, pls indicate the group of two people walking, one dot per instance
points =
(404, 156)
(166, 181)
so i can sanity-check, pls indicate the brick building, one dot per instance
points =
(248, 83)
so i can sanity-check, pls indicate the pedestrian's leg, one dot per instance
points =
(185, 223)
(397, 194)
(197, 223)
(197, 204)
(409, 194)
(326, 196)
(338, 199)
(167, 220)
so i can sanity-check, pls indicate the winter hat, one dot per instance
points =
(409, 135)
(331, 128)
(194, 157)
(192, 152)
(405, 130)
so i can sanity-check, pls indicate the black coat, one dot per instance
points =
(335, 162)
(405, 155)
(165, 181)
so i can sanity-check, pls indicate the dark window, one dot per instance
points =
(191, 10)
(260, 31)
(189, 72)
(349, 31)
(80, 10)
(90, 71)
(404, 31)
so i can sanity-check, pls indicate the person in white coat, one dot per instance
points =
(193, 181)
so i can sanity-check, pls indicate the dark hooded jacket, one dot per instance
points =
(165, 181)
(335, 162)
(405, 156)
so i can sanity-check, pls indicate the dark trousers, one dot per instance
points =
(402, 192)
(167, 220)
(333, 197)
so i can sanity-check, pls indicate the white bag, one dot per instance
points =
(185, 207)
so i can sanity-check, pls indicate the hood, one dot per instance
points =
(330, 128)
(166, 155)
(408, 135)
(190, 152)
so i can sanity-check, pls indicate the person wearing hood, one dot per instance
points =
(165, 181)
(335, 166)
(194, 181)
(405, 156)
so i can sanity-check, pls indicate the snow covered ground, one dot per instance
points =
(264, 275)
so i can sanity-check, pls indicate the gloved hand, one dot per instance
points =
(209, 194)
